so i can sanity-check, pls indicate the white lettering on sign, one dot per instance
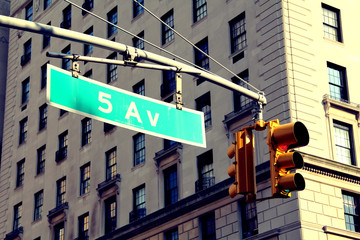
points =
(133, 112)
(103, 98)
(153, 121)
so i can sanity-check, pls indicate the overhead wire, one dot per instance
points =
(132, 34)
(194, 46)
(160, 48)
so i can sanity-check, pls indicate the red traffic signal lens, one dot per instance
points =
(291, 135)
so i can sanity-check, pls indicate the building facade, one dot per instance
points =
(65, 176)
(4, 41)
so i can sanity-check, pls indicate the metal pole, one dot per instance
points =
(122, 48)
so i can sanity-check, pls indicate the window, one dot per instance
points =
(139, 148)
(63, 143)
(20, 172)
(203, 104)
(169, 83)
(38, 204)
(237, 33)
(86, 131)
(171, 186)
(208, 231)
(240, 100)
(331, 23)
(60, 191)
(43, 76)
(167, 33)
(112, 17)
(83, 227)
(42, 116)
(201, 59)
(343, 143)
(248, 218)
(88, 5)
(46, 39)
(138, 203)
(205, 171)
(25, 90)
(66, 18)
(29, 11)
(47, 4)
(111, 164)
(23, 130)
(59, 231)
(139, 88)
(351, 211)
(137, 8)
(200, 9)
(112, 73)
(40, 166)
(85, 179)
(66, 63)
(17, 216)
(27, 53)
(88, 48)
(138, 42)
(337, 82)
(172, 234)
(110, 214)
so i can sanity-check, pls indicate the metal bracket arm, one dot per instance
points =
(178, 94)
(75, 70)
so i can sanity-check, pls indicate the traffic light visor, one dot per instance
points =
(290, 160)
(292, 182)
(291, 135)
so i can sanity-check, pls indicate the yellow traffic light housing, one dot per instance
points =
(243, 168)
(281, 139)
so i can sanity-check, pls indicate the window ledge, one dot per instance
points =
(16, 234)
(168, 43)
(165, 153)
(108, 184)
(237, 52)
(233, 117)
(344, 106)
(341, 232)
(137, 17)
(58, 213)
(199, 21)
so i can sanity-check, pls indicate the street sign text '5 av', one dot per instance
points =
(123, 108)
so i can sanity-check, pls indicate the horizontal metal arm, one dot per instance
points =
(122, 48)
(121, 63)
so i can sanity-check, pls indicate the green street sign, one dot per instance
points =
(122, 108)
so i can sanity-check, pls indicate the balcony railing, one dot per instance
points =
(57, 211)
(137, 214)
(61, 154)
(204, 183)
(83, 236)
(15, 234)
(107, 184)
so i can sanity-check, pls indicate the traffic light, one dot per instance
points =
(281, 140)
(243, 168)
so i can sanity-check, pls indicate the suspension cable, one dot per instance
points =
(133, 35)
(194, 46)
